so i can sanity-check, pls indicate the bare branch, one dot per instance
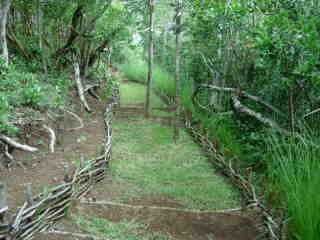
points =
(17, 145)
(243, 109)
(52, 137)
(243, 94)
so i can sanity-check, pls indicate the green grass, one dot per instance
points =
(134, 93)
(138, 70)
(294, 170)
(123, 230)
(146, 157)
(222, 129)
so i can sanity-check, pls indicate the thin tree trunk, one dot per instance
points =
(40, 31)
(150, 58)
(178, 62)
(80, 86)
(5, 6)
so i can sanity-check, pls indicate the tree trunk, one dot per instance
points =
(5, 6)
(178, 62)
(80, 86)
(150, 58)
(40, 32)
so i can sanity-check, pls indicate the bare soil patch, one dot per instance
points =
(42, 168)
(178, 224)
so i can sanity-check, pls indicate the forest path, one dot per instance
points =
(156, 189)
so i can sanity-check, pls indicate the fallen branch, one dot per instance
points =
(239, 107)
(17, 145)
(52, 138)
(311, 113)
(158, 207)
(243, 94)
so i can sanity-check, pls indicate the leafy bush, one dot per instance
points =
(20, 88)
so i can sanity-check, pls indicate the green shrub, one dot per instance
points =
(20, 88)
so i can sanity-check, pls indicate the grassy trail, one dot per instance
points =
(149, 170)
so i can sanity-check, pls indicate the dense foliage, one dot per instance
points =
(267, 49)
(271, 50)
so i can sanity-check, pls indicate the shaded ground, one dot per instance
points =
(43, 168)
(147, 169)
(178, 224)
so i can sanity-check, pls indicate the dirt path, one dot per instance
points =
(43, 169)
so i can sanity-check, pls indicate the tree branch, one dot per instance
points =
(17, 145)
(243, 94)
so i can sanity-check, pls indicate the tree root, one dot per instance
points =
(13, 143)
(10, 160)
(81, 125)
(53, 137)
(76, 235)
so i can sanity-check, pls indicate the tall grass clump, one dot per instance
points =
(294, 171)
(138, 71)
(135, 70)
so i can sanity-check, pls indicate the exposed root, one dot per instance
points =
(93, 94)
(17, 145)
(10, 160)
(76, 117)
(91, 89)
(53, 137)
(91, 86)
(7, 154)
(76, 235)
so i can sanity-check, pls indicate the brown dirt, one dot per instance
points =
(43, 168)
(179, 225)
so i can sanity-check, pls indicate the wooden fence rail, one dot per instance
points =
(40, 212)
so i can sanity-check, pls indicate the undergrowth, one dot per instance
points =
(21, 88)
(294, 173)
